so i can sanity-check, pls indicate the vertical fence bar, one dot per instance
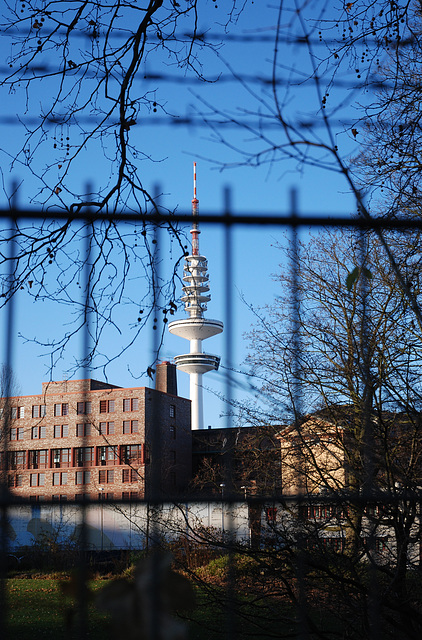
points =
(303, 626)
(9, 359)
(367, 490)
(231, 630)
(86, 351)
(154, 623)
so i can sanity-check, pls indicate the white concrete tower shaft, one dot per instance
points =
(196, 328)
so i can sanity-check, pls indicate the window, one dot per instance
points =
(16, 433)
(106, 476)
(84, 456)
(83, 477)
(173, 432)
(102, 455)
(333, 544)
(129, 495)
(172, 411)
(130, 404)
(271, 513)
(82, 408)
(129, 475)
(37, 479)
(39, 410)
(60, 458)
(132, 453)
(105, 496)
(61, 430)
(61, 409)
(172, 457)
(106, 428)
(59, 498)
(107, 406)
(16, 459)
(130, 426)
(15, 480)
(83, 430)
(81, 497)
(17, 412)
(59, 478)
(108, 456)
(38, 459)
(38, 432)
(112, 457)
(380, 544)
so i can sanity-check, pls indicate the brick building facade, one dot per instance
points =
(88, 439)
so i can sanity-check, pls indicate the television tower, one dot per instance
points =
(196, 328)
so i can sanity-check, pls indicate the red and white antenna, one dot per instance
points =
(195, 231)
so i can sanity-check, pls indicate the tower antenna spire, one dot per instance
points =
(195, 231)
(196, 328)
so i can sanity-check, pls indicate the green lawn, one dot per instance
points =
(38, 610)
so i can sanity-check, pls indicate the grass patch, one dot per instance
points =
(38, 609)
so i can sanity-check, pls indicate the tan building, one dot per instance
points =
(313, 457)
(89, 439)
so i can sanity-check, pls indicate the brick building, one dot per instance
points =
(88, 439)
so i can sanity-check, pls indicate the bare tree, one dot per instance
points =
(352, 455)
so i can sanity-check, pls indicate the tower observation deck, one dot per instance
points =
(196, 327)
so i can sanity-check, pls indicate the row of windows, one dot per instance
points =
(338, 544)
(82, 408)
(82, 430)
(126, 495)
(61, 478)
(326, 512)
(323, 512)
(78, 457)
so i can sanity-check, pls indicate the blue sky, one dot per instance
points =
(261, 189)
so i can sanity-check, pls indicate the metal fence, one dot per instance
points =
(338, 560)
